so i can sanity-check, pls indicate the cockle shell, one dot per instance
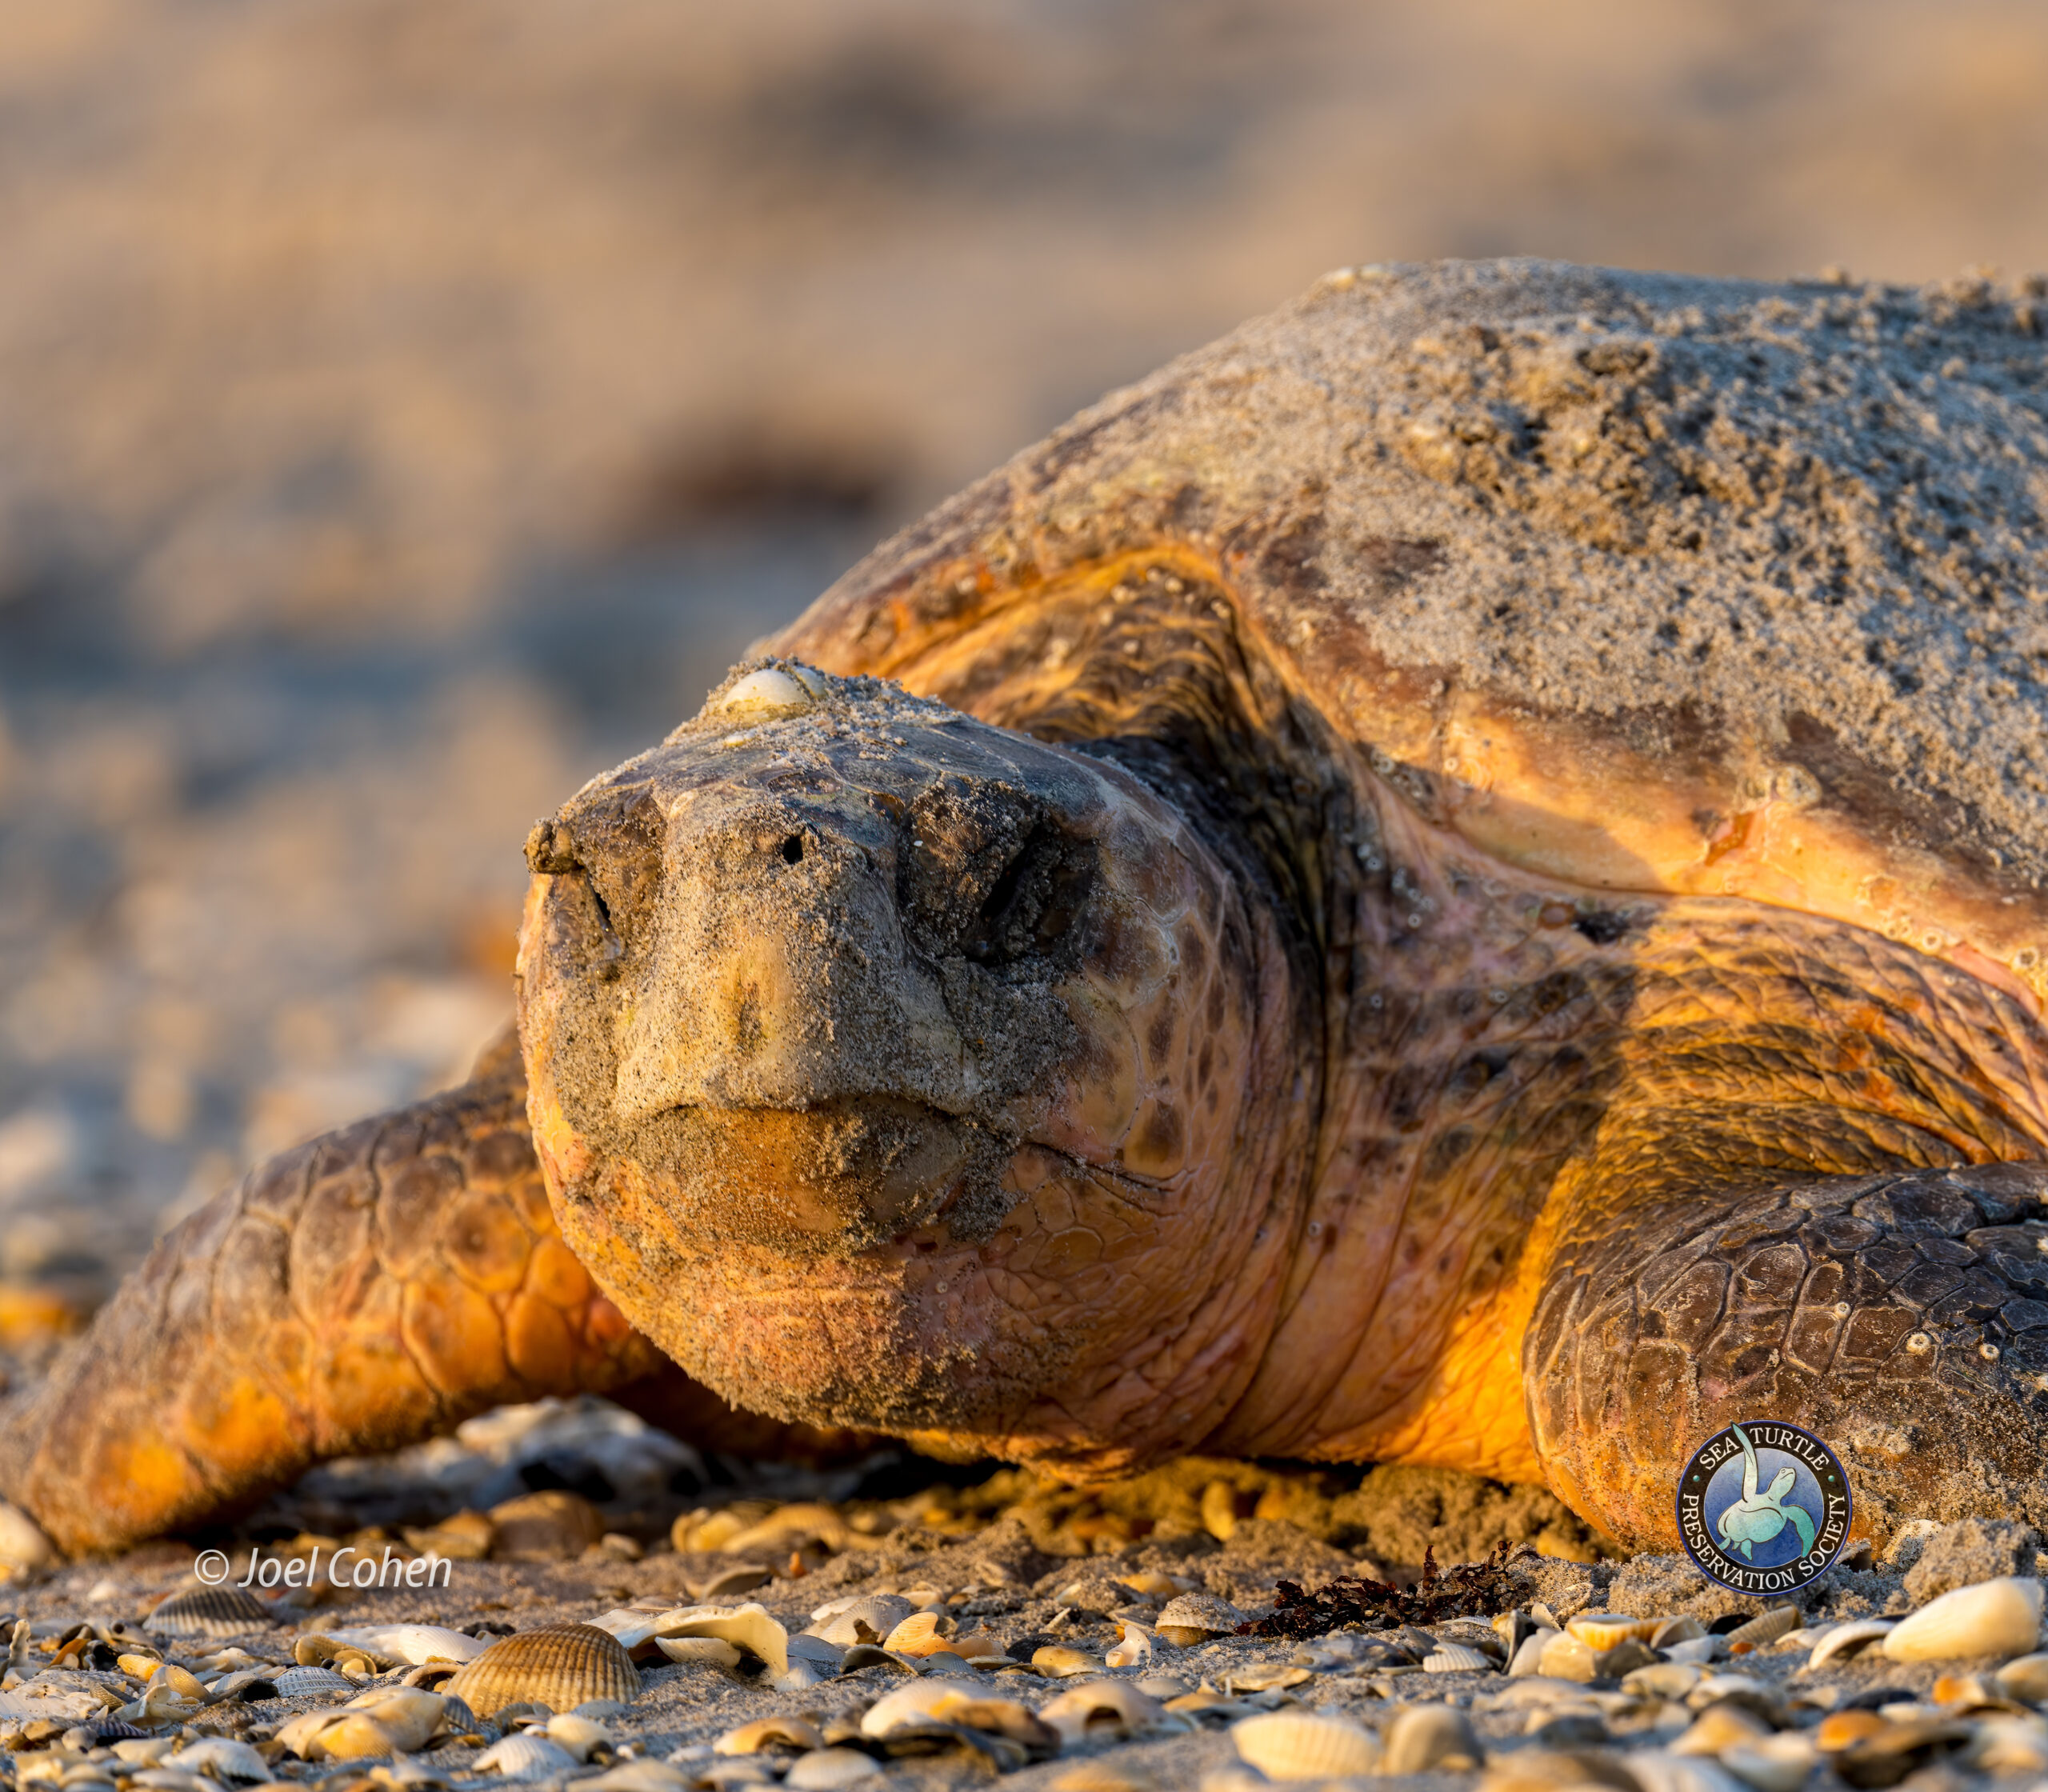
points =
(1455, 1658)
(297, 1683)
(1601, 1631)
(222, 1757)
(1565, 1657)
(1766, 1626)
(1685, 1628)
(559, 1666)
(524, 1756)
(1057, 1662)
(1103, 1708)
(386, 1720)
(1995, 1617)
(1425, 1738)
(1305, 1744)
(1193, 1619)
(210, 1611)
(1842, 1641)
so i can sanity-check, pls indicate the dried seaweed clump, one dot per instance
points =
(1483, 1587)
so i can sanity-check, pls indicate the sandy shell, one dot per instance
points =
(829, 1768)
(524, 1757)
(2026, 1679)
(1102, 1708)
(1766, 1626)
(559, 1666)
(767, 1733)
(1265, 1677)
(336, 1736)
(1193, 1618)
(1422, 1738)
(1453, 1658)
(1996, 1618)
(1845, 1640)
(297, 1683)
(210, 1611)
(1305, 1745)
(1564, 1656)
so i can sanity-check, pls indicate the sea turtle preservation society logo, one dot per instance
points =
(1763, 1507)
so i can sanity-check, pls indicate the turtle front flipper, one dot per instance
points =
(367, 1289)
(1902, 1318)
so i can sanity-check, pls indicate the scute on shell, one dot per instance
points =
(559, 1666)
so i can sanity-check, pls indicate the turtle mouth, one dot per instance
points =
(852, 1175)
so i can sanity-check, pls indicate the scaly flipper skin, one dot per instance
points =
(1900, 1317)
(367, 1289)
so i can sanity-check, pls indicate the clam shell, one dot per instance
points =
(1058, 1662)
(2026, 1679)
(1766, 1626)
(1995, 1617)
(1720, 1726)
(1452, 1657)
(1423, 1739)
(922, 1701)
(1102, 1708)
(414, 1644)
(751, 1738)
(296, 1682)
(524, 1756)
(1305, 1745)
(1565, 1657)
(559, 1666)
(1684, 1629)
(829, 1768)
(210, 1611)
(750, 1626)
(405, 1714)
(1845, 1640)
(1264, 1676)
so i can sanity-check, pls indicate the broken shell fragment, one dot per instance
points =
(866, 1620)
(1843, 1641)
(918, 1635)
(559, 1666)
(1995, 1617)
(1305, 1744)
(581, 1736)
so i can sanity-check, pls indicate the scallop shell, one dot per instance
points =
(1766, 1626)
(1426, 1738)
(1452, 1657)
(1845, 1640)
(559, 1666)
(524, 1756)
(296, 1682)
(1304, 1744)
(210, 1611)
(1996, 1618)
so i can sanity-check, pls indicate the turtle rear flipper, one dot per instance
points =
(1900, 1317)
(367, 1289)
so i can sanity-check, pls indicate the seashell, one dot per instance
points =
(1838, 1729)
(561, 1665)
(866, 1655)
(1773, 1763)
(866, 1620)
(1433, 1737)
(1699, 1651)
(1600, 1630)
(1058, 1662)
(638, 1776)
(922, 1701)
(1995, 1617)
(1133, 1645)
(1191, 1619)
(766, 691)
(1102, 1708)
(1149, 1584)
(144, 1752)
(713, 1650)
(1840, 1641)
(1162, 1686)
(297, 1683)
(1455, 1658)
(525, 1756)
(764, 1733)
(553, 1525)
(1305, 1744)
(580, 1735)
(827, 1771)
(1720, 1726)
(405, 1714)
(415, 1644)
(1766, 1626)
(828, 1655)
(1528, 1659)
(2010, 1744)
(187, 1685)
(1887, 1755)
(222, 1757)
(729, 1583)
(1264, 1676)
(748, 1627)
(2026, 1678)
(335, 1736)
(1661, 1680)
(210, 1611)
(918, 1635)
(1566, 1656)
(1684, 1629)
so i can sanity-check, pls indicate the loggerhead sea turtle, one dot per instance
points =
(1759, 1518)
(1456, 878)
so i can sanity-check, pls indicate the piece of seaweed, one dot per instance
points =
(1484, 1586)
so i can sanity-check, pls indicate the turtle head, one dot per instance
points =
(884, 1064)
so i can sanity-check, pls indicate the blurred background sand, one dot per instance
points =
(406, 411)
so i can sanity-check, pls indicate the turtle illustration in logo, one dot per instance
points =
(1757, 1517)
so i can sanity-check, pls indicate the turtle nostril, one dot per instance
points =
(792, 850)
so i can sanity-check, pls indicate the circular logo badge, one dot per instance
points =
(1763, 1507)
